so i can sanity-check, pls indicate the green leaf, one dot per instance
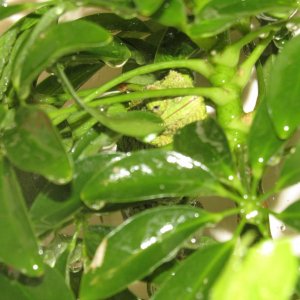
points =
(52, 44)
(206, 142)
(6, 11)
(7, 41)
(208, 28)
(114, 23)
(35, 146)
(291, 215)
(174, 45)
(53, 207)
(93, 236)
(115, 54)
(52, 286)
(290, 173)
(148, 175)
(140, 124)
(284, 90)
(7, 70)
(172, 13)
(216, 16)
(137, 247)
(148, 7)
(10, 290)
(263, 141)
(259, 276)
(76, 74)
(216, 9)
(195, 275)
(56, 205)
(19, 246)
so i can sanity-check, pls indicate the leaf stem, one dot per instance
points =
(216, 94)
(197, 65)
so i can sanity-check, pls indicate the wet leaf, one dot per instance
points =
(263, 141)
(148, 7)
(76, 74)
(52, 44)
(115, 23)
(290, 173)
(139, 124)
(7, 11)
(7, 41)
(259, 275)
(138, 246)
(10, 289)
(115, 54)
(284, 91)
(56, 205)
(19, 247)
(35, 146)
(52, 286)
(194, 276)
(93, 236)
(206, 142)
(174, 45)
(291, 215)
(148, 175)
(172, 13)
(216, 16)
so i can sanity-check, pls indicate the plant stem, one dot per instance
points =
(245, 69)
(197, 65)
(217, 95)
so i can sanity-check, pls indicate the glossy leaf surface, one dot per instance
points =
(52, 286)
(263, 141)
(284, 91)
(148, 7)
(11, 290)
(148, 175)
(56, 205)
(6, 11)
(290, 173)
(55, 42)
(291, 215)
(206, 142)
(216, 16)
(35, 146)
(259, 276)
(139, 124)
(19, 247)
(195, 275)
(172, 14)
(138, 246)
(174, 45)
(77, 76)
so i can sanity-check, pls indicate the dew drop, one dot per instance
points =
(282, 228)
(35, 267)
(161, 187)
(263, 35)
(286, 128)
(230, 177)
(261, 160)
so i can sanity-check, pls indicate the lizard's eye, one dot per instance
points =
(156, 108)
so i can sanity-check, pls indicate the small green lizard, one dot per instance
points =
(175, 112)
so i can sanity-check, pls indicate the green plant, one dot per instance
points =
(58, 167)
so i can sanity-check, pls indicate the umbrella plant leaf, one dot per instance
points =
(19, 246)
(138, 246)
(33, 145)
